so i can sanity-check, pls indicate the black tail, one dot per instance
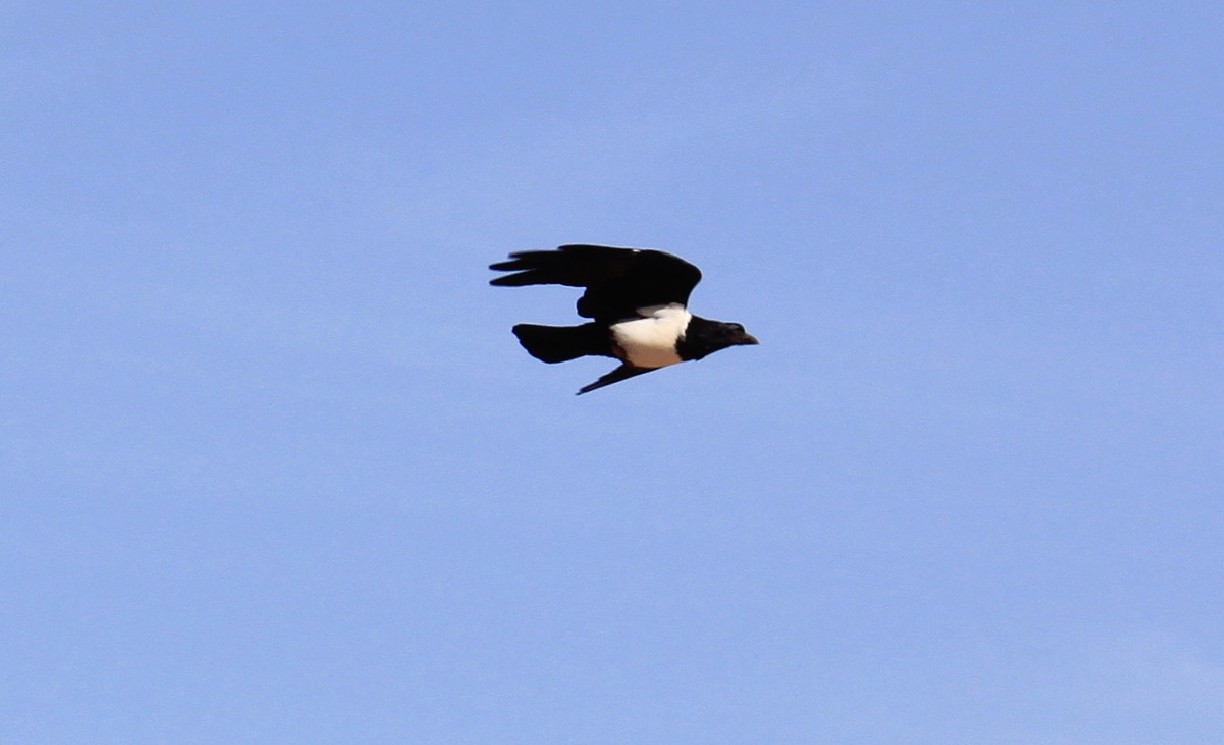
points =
(553, 344)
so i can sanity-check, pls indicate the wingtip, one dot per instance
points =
(592, 386)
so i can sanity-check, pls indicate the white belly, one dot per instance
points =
(650, 341)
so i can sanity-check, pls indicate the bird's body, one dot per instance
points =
(649, 341)
(637, 299)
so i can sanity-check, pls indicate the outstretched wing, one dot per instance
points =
(624, 372)
(618, 281)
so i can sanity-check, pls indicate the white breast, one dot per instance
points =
(650, 341)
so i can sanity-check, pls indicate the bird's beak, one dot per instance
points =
(748, 339)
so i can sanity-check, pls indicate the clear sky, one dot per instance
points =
(274, 471)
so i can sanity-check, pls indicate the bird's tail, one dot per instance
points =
(553, 344)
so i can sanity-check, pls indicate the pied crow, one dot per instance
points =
(637, 300)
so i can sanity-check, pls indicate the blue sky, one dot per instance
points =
(274, 470)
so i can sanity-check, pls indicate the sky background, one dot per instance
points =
(273, 470)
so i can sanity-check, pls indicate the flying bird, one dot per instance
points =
(637, 300)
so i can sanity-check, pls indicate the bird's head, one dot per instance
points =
(731, 334)
(704, 336)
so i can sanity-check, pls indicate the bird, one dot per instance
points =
(637, 303)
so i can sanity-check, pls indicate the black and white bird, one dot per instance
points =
(637, 300)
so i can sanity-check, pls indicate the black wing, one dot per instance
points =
(618, 281)
(624, 372)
